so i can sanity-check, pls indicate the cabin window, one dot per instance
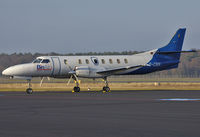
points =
(95, 61)
(103, 61)
(110, 60)
(65, 61)
(87, 61)
(125, 61)
(37, 60)
(45, 61)
(118, 61)
(79, 61)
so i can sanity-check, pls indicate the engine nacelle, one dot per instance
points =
(21, 77)
(83, 71)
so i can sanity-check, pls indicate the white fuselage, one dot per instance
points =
(85, 66)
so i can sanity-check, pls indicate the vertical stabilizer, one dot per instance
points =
(175, 45)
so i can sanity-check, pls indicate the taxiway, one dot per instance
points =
(96, 114)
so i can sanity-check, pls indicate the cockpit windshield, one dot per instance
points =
(45, 61)
(37, 60)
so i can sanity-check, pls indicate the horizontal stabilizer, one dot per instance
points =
(173, 52)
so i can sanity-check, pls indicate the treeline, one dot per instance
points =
(189, 66)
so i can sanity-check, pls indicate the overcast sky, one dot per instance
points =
(70, 26)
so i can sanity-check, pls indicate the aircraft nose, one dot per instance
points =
(4, 72)
(19, 70)
(7, 72)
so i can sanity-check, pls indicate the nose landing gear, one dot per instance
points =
(29, 90)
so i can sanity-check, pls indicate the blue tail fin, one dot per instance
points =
(167, 57)
(175, 45)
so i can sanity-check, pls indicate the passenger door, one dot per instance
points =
(56, 66)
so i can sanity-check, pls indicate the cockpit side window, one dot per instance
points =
(37, 60)
(45, 61)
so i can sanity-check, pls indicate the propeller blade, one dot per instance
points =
(42, 79)
(69, 80)
(48, 78)
(68, 66)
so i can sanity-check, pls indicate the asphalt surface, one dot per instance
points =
(96, 114)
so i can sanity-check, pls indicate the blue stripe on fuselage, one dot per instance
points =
(164, 61)
(156, 64)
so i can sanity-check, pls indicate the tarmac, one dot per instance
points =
(97, 114)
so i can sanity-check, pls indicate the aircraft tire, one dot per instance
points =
(76, 89)
(106, 89)
(29, 90)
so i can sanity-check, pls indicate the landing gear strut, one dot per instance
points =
(106, 87)
(29, 90)
(76, 88)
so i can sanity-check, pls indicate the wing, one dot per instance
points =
(117, 70)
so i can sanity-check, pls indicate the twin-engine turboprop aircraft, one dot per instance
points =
(164, 58)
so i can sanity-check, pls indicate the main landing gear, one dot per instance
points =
(29, 90)
(106, 87)
(76, 88)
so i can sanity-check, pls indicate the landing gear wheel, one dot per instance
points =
(76, 89)
(29, 90)
(106, 89)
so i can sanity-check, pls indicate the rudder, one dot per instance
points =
(175, 44)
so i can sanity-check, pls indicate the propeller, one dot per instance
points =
(69, 80)
(68, 65)
(73, 76)
(72, 72)
(42, 79)
(48, 78)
